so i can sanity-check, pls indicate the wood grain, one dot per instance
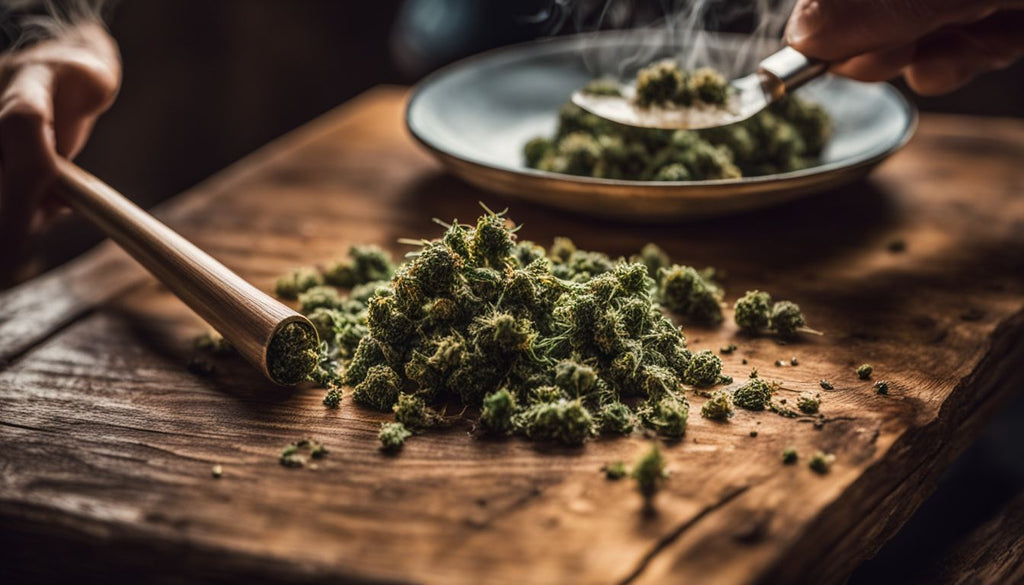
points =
(108, 441)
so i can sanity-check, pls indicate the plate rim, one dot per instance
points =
(907, 133)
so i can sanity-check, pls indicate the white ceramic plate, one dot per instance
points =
(475, 116)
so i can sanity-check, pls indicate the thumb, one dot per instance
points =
(27, 157)
(835, 30)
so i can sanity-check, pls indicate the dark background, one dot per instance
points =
(206, 82)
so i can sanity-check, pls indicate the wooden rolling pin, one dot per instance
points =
(246, 316)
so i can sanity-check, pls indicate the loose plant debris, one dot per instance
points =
(789, 135)
(615, 470)
(718, 407)
(755, 394)
(208, 347)
(392, 436)
(298, 281)
(755, 313)
(821, 462)
(789, 455)
(650, 474)
(691, 293)
(299, 453)
(864, 371)
(364, 265)
(333, 398)
(213, 343)
(557, 345)
(808, 403)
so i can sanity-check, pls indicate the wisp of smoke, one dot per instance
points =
(28, 21)
(694, 32)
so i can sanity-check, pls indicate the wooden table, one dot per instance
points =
(108, 440)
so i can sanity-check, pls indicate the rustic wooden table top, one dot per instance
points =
(108, 440)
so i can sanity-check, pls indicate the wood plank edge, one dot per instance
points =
(30, 534)
(961, 419)
(38, 309)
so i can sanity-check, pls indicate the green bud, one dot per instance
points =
(686, 291)
(615, 418)
(864, 371)
(379, 389)
(703, 370)
(650, 473)
(615, 470)
(293, 354)
(392, 436)
(821, 462)
(752, 311)
(299, 280)
(789, 456)
(333, 398)
(496, 414)
(754, 394)
(786, 318)
(808, 403)
(718, 407)
(564, 421)
(412, 411)
(666, 415)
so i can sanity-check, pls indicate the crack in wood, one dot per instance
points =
(665, 541)
(10, 358)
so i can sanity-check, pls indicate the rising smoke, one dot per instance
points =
(730, 35)
(23, 22)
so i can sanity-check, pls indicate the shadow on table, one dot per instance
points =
(843, 233)
(805, 231)
(229, 374)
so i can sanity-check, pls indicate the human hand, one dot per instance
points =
(938, 45)
(50, 96)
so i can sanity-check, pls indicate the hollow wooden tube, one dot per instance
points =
(246, 316)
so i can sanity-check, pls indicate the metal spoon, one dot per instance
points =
(777, 75)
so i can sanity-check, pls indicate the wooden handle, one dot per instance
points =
(246, 316)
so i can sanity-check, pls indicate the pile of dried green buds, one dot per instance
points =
(554, 345)
(664, 83)
(788, 136)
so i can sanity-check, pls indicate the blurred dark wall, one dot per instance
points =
(205, 83)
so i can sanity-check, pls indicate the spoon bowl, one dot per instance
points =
(777, 75)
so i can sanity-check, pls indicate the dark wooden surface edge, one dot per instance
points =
(992, 554)
(960, 421)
